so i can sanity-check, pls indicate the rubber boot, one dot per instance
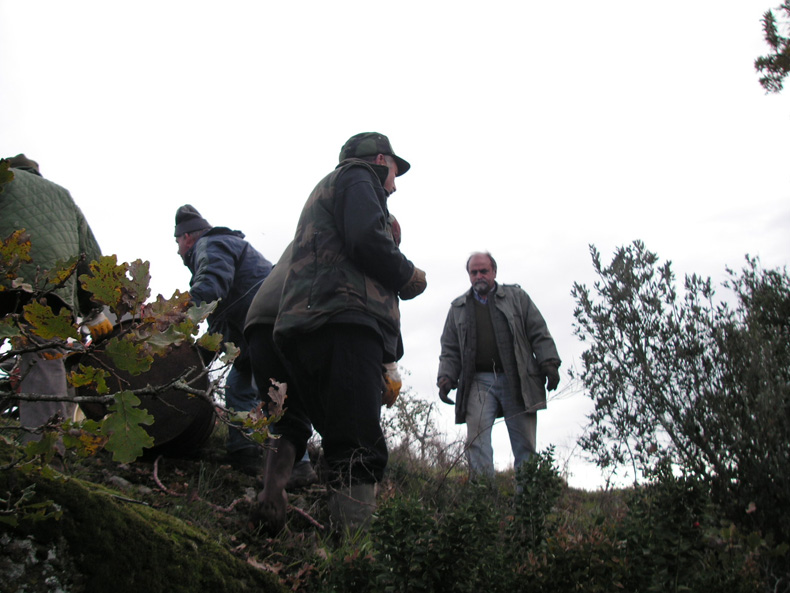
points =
(302, 476)
(272, 500)
(351, 507)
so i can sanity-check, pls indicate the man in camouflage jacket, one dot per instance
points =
(338, 321)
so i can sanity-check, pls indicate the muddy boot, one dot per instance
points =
(352, 506)
(249, 460)
(272, 501)
(302, 476)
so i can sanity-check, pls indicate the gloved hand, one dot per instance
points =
(551, 374)
(445, 385)
(415, 286)
(99, 326)
(392, 384)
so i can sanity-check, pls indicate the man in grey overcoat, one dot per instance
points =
(498, 353)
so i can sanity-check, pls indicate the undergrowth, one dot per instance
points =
(435, 530)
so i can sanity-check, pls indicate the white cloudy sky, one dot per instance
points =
(533, 129)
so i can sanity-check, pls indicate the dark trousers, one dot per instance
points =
(338, 375)
(267, 365)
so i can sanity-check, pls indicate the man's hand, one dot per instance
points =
(551, 375)
(445, 385)
(99, 326)
(392, 384)
(415, 286)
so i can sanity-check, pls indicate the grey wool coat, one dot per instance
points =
(532, 345)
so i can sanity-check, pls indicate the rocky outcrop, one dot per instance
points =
(97, 540)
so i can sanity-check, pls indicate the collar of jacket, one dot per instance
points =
(222, 230)
(469, 294)
(214, 231)
(380, 170)
(479, 299)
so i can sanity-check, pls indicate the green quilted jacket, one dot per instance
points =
(58, 231)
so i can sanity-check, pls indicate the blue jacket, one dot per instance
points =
(227, 268)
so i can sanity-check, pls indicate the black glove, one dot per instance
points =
(445, 385)
(551, 374)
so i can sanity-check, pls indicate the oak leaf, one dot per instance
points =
(126, 437)
(128, 355)
(62, 271)
(45, 324)
(90, 376)
(6, 174)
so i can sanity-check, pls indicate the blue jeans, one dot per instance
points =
(489, 397)
(241, 396)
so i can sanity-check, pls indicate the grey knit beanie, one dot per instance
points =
(189, 220)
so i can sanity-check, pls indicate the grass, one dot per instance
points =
(437, 531)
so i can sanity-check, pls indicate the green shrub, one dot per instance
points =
(690, 376)
(538, 488)
(672, 540)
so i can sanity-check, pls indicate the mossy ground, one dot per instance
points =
(182, 525)
(153, 525)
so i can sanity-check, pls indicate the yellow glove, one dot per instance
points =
(392, 384)
(99, 326)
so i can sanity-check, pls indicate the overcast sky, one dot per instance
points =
(533, 130)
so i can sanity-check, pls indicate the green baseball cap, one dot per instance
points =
(371, 144)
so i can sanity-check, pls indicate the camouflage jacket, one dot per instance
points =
(345, 265)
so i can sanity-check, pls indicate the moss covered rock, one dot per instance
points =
(105, 543)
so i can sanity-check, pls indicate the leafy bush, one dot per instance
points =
(149, 328)
(412, 546)
(539, 487)
(412, 433)
(674, 540)
(701, 383)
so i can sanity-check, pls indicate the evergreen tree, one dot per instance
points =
(775, 66)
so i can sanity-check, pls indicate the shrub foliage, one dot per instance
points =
(775, 66)
(700, 383)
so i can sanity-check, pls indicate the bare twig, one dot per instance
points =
(179, 383)
(195, 497)
(159, 483)
(226, 509)
(132, 500)
(306, 515)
